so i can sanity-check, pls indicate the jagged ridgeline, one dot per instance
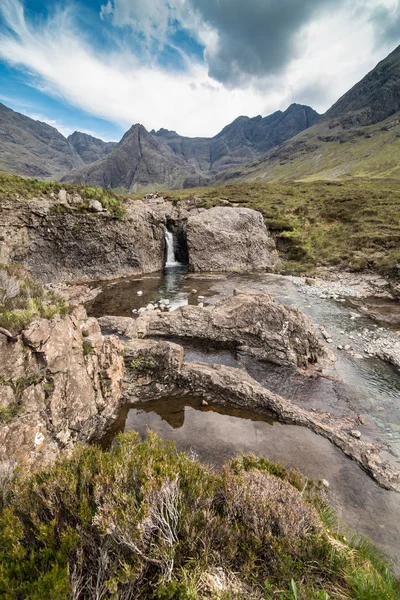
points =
(141, 159)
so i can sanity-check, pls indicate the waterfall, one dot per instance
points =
(169, 241)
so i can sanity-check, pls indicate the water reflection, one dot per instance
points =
(120, 297)
(216, 434)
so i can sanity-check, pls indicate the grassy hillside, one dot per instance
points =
(354, 224)
(145, 522)
(328, 151)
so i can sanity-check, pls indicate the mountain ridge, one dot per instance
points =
(191, 162)
(32, 148)
(358, 136)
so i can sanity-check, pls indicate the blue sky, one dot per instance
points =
(190, 65)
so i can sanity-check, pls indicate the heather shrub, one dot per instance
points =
(143, 521)
(22, 299)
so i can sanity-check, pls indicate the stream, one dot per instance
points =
(368, 386)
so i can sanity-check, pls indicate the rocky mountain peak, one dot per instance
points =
(374, 98)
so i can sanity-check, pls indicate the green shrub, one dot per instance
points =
(22, 299)
(143, 521)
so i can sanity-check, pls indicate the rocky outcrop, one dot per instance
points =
(372, 99)
(272, 332)
(229, 239)
(64, 238)
(60, 382)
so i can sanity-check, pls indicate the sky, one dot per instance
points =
(193, 66)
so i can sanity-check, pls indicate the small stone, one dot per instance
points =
(340, 347)
(194, 291)
(347, 347)
(325, 483)
(355, 434)
(329, 340)
(139, 293)
(150, 306)
(204, 403)
(95, 206)
(201, 305)
(62, 196)
(361, 420)
(323, 297)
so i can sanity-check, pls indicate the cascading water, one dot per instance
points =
(169, 241)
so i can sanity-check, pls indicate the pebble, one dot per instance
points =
(347, 347)
(355, 434)
(340, 347)
(325, 483)
(139, 293)
(204, 403)
(194, 291)
(150, 307)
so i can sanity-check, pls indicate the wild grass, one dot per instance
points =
(348, 224)
(24, 189)
(143, 521)
(23, 300)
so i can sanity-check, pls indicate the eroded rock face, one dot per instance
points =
(61, 382)
(273, 332)
(229, 239)
(57, 240)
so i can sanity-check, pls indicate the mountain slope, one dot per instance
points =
(139, 159)
(90, 148)
(166, 159)
(32, 148)
(358, 136)
(241, 141)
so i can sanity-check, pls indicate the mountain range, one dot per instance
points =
(142, 158)
(358, 136)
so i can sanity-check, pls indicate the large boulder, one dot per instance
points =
(60, 381)
(271, 331)
(229, 239)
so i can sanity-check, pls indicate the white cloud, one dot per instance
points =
(338, 50)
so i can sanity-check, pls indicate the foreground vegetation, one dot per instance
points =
(143, 521)
(20, 188)
(353, 224)
(22, 299)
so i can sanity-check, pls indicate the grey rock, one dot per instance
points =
(229, 239)
(72, 386)
(95, 206)
(273, 332)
